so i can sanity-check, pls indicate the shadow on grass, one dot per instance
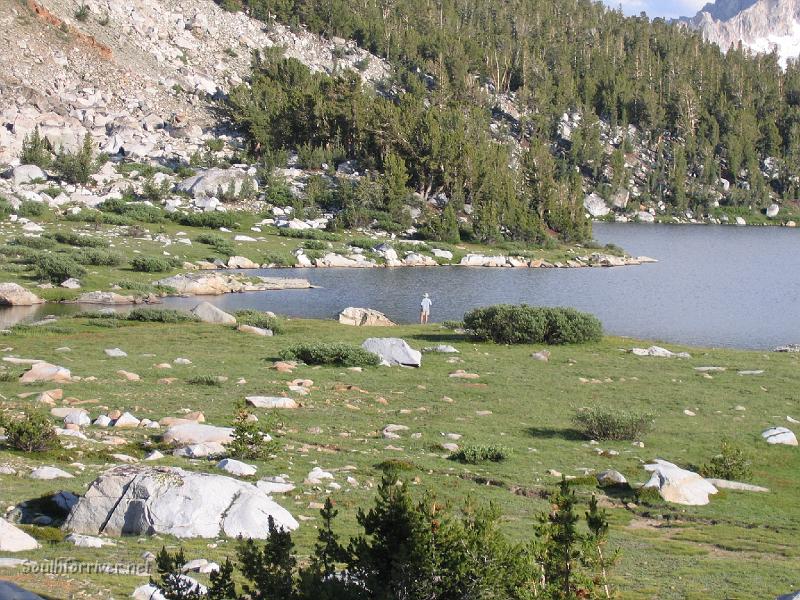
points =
(440, 337)
(572, 435)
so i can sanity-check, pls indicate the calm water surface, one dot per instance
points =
(713, 286)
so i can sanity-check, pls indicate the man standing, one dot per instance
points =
(425, 308)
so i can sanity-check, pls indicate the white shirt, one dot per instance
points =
(426, 304)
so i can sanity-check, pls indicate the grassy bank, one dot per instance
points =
(166, 240)
(742, 545)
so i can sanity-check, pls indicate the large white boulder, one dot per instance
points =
(27, 174)
(394, 351)
(780, 435)
(678, 485)
(13, 539)
(364, 317)
(271, 402)
(131, 500)
(43, 371)
(216, 183)
(197, 433)
(208, 313)
(13, 294)
(595, 205)
(236, 467)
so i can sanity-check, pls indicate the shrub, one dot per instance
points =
(523, 324)
(77, 167)
(32, 433)
(82, 14)
(731, 463)
(477, 454)
(278, 260)
(97, 257)
(212, 220)
(209, 380)
(160, 315)
(256, 318)
(36, 150)
(250, 438)
(151, 264)
(5, 208)
(145, 289)
(31, 209)
(57, 268)
(344, 355)
(219, 243)
(37, 243)
(70, 238)
(310, 234)
(606, 424)
(314, 245)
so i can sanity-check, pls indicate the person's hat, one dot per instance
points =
(425, 295)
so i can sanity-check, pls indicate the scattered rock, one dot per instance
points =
(364, 317)
(128, 375)
(12, 294)
(393, 351)
(610, 477)
(254, 330)
(659, 352)
(441, 349)
(197, 433)
(43, 371)
(678, 485)
(115, 353)
(724, 484)
(271, 402)
(170, 501)
(47, 473)
(461, 374)
(317, 476)
(87, 541)
(542, 355)
(235, 467)
(14, 540)
(127, 421)
(780, 436)
(208, 313)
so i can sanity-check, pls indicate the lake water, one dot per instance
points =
(713, 286)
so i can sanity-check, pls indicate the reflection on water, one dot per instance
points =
(713, 286)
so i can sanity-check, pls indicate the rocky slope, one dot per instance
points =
(761, 25)
(139, 74)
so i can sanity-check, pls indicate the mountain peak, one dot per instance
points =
(760, 25)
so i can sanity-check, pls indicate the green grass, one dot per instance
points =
(741, 545)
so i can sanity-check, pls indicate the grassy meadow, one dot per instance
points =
(741, 545)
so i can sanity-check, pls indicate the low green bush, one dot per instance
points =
(256, 318)
(31, 209)
(159, 315)
(310, 234)
(607, 424)
(152, 264)
(71, 238)
(314, 245)
(523, 324)
(320, 353)
(38, 243)
(211, 220)
(98, 257)
(144, 289)
(32, 433)
(477, 454)
(251, 440)
(278, 260)
(57, 268)
(220, 244)
(209, 380)
(731, 463)
(5, 208)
